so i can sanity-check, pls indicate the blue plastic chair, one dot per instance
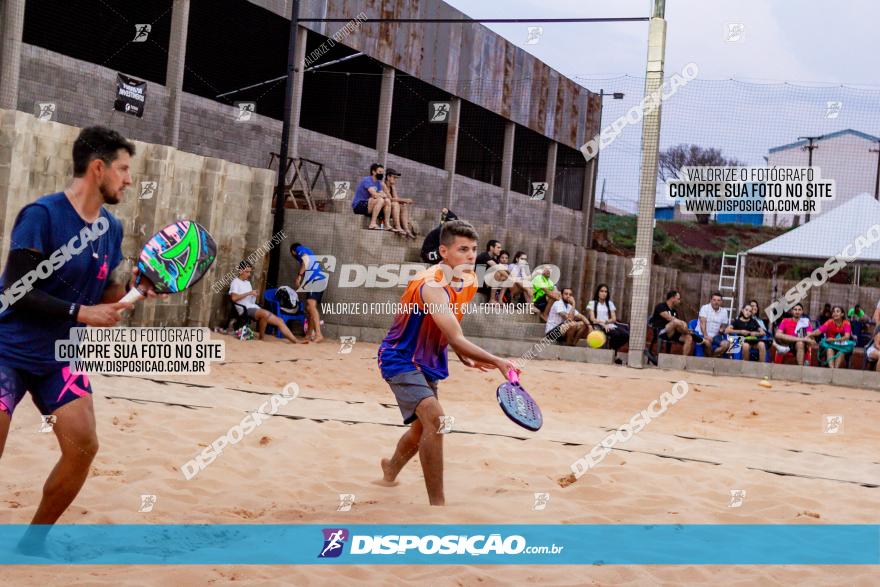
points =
(275, 308)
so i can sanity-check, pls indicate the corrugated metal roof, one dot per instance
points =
(466, 60)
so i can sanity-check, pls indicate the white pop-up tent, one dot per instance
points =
(845, 229)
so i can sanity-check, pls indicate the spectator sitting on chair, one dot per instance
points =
(837, 329)
(312, 280)
(794, 331)
(243, 294)
(665, 317)
(825, 316)
(713, 320)
(565, 320)
(747, 325)
(545, 292)
(368, 197)
(603, 313)
(399, 220)
(431, 246)
(520, 275)
(872, 351)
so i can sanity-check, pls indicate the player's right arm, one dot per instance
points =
(436, 299)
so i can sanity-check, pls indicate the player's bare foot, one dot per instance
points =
(317, 339)
(388, 478)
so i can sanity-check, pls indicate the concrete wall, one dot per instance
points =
(84, 92)
(232, 201)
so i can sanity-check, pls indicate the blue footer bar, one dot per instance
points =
(278, 544)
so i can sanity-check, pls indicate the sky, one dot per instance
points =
(760, 89)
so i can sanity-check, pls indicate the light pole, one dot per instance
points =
(647, 187)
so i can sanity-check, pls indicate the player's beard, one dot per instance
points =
(110, 197)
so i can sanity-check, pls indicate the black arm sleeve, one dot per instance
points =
(23, 261)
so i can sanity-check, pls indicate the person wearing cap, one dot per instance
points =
(399, 221)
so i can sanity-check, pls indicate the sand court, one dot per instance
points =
(725, 434)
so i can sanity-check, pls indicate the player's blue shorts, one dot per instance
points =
(50, 388)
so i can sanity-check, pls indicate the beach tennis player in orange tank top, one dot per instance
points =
(413, 356)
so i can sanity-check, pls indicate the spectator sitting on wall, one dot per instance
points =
(747, 325)
(564, 320)
(603, 314)
(486, 261)
(794, 331)
(713, 321)
(399, 220)
(502, 276)
(665, 317)
(756, 314)
(244, 296)
(856, 313)
(872, 351)
(431, 245)
(836, 330)
(521, 277)
(545, 292)
(368, 197)
(311, 280)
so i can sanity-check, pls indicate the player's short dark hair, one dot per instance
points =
(294, 247)
(491, 244)
(716, 293)
(671, 294)
(455, 228)
(97, 142)
(796, 305)
(375, 166)
(562, 289)
(244, 265)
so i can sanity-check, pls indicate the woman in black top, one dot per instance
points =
(746, 325)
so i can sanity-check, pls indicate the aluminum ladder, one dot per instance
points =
(727, 281)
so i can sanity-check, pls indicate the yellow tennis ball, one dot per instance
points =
(596, 339)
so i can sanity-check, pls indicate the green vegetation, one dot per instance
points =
(692, 247)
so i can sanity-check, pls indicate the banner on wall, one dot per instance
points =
(131, 95)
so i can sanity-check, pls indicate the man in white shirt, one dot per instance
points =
(244, 296)
(564, 320)
(713, 321)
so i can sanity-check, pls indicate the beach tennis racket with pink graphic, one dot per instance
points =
(518, 404)
(175, 259)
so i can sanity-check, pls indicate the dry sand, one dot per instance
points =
(727, 433)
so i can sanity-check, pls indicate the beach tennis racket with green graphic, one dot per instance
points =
(174, 259)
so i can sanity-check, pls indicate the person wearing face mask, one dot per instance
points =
(368, 197)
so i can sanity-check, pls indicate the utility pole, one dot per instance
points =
(810, 147)
(284, 150)
(877, 177)
(647, 186)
